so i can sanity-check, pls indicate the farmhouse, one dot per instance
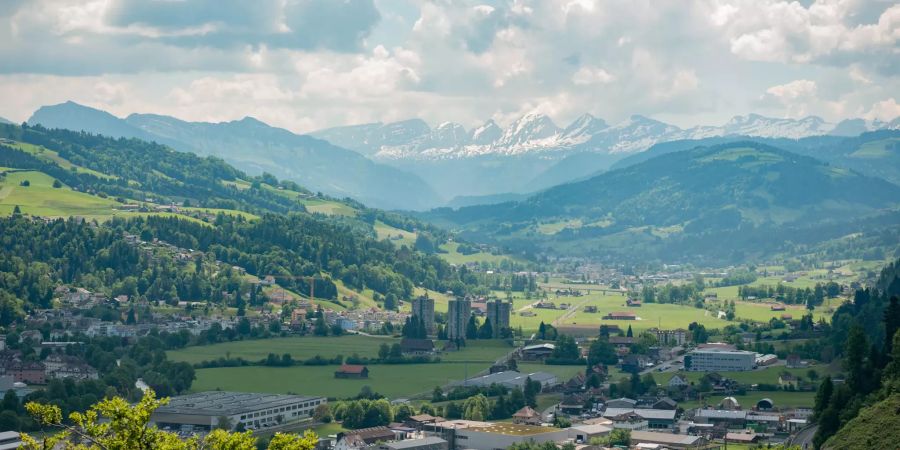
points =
(633, 303)
(411, 346)
(672, 441)
(537, 352)
(620, 316)
(649, 418)
(527, 416)
(352, 371)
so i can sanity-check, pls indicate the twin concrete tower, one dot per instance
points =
(459, 311)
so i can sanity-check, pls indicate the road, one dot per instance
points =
(805, 437)
(573, 308)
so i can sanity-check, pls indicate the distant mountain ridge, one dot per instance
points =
(710, 197)
(537, 133)
(256, 147)
(533, 153)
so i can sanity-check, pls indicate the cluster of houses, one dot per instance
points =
(17, 369)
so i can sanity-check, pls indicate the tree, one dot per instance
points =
(224, 423)
(891, 323)
(531, 390)
(542, 331)
(854, 359)
(472, 328)
(620, 436)
(486, 331)
(477, 407)
(114, 424)
(9, 421)
(56, 184)
(602, 352)
(566, 349)
(823, 396)
(383, 351)
(322, 413)
(629, 333)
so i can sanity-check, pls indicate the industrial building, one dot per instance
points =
(423, 308)
(498, 314)
(511, 379)
(203, 410)
(459, 310)
(719, 360)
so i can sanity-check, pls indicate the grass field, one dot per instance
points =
(453, 256)
(42, 199)
(387, 232)
(768, 375)
(50, 155)
(394, 381)
(298, 347)
(650, 315)
(327, 207)
(230, 212)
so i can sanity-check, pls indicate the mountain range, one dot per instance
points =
(707, 200)
(254, 147)
(533, 152)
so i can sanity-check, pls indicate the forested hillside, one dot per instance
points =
(689, 202)
(865, 334)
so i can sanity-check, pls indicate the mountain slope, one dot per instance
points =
(877, 426)
(540, 150)
(256, 147)
(5, 121)
(692, 192)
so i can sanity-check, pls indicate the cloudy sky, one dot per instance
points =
(310, 64)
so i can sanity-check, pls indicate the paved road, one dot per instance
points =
(805, 437)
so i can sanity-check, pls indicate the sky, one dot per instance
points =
(310, 64)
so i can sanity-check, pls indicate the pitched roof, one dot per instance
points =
(526, 413)
(352, 368)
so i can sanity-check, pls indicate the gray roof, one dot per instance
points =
(509, 378)
(413, 443)
(663, 438)
(218, 403)
(721, 414)
(656, 414)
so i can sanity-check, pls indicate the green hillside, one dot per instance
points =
(679, 200)
(877, 426)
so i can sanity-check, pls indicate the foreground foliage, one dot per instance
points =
(113, 424)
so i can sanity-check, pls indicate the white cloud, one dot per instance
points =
(885, 110)
(589, 76)
(307, 64)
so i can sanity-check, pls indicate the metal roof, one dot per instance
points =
(657, 414)
(218, 403)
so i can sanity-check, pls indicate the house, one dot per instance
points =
(25, 372)
(742, 438)
(537, 352)
(362, 438)
(33, 336)
(420, 420)
(633, 303)
(63, 366)
(621, 341)
(572, 403)
(425, 443)
(628, 421)
(352, 371)
(777, 308)
(635, 363)
(722, 418)
(269, 280)
(527, 416)
(641, 418)
(621, 403)
(667, 440)
(788, 380)
(793, 361)
(412, 346)
(620, 316)
(677, 381)
(665, 403)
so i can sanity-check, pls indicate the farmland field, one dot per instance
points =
(328, 207)
(453, 256)
(399, 237)
(780, 398)
(394, 381)
(42, 199)
(299, 348)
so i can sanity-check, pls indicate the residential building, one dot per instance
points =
(667, 440)
(498, 313)
(620, 316)
(25, 372)
(677, 381)
(362, 438)
(723, 418)
(670, 338)
(459, 310)
(719, 359)
(423, 308)
(202, 411)
(527, 416)
(416, 347)
(657, 419)
(537, 352)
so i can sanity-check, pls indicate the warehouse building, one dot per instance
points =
(511, 379)
(719, 360)
(205, 410)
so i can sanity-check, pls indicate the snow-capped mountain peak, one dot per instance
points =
(530, 127)
(584, 127)
(486, 134)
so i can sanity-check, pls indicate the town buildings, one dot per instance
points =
(719, 359)
(423, 308)
(204, 410)
(459, 310)
(498, 314)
